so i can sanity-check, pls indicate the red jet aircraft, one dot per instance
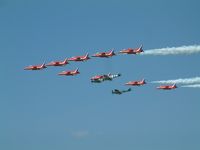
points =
(69, 73)
(58, 63)
(136, 83)
(79, 58)
(167, 87)
(105, 54)
(132, 50)
(36, 67)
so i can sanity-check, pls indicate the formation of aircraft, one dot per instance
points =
(69, 73)
(105, 54)
(104, 77)
(132, 50)
(167, 87)
(35, 67)
(100, 78)
(58, 63)
(119, 92)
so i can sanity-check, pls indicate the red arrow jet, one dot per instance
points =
(36, 67)
(136, 83)
(132, 50)
(79, 58)
(58, 63)
(69, 73)
(167, 87)
(105, 54)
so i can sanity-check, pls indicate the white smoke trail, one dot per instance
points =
(173, 50)
(195, 80)
(192, 86)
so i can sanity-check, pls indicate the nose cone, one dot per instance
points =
(128, 83)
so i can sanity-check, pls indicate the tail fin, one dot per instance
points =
(76, 70)
(87, 56)
(112, 52)
(129, 89)
(174, 85)
(140, 48)
(43, 65)
(143, 80)
(65, 61)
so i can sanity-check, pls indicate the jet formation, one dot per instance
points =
(103, 77)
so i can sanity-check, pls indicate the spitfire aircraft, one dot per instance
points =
(79, 58)
(58, 63)
(136, 83)
(69, 73)
(116, 91)
(132, 50)
(167, 87)
(101, 78)
(105, 54)
(36, 67)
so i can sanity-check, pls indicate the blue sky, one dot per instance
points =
(40, 110)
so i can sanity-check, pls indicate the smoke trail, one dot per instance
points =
(195, 80)
(174, 50)
(192, 86)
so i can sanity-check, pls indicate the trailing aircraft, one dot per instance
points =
(69, 73)
(101, 78)
(136, 83)
(105, 54)
(58, 63)
(35, 67)
(132, 50)
(167, 87)
(79, 58)
(119, 92)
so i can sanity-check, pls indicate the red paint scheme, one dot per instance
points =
(105, 54)
(97, 77)
(69, 73)
(136, 83)
(167, 87)
(79, 58)
(132, 50)
(36, 67)
(58, 63)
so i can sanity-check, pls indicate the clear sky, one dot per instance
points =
(43, 111)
